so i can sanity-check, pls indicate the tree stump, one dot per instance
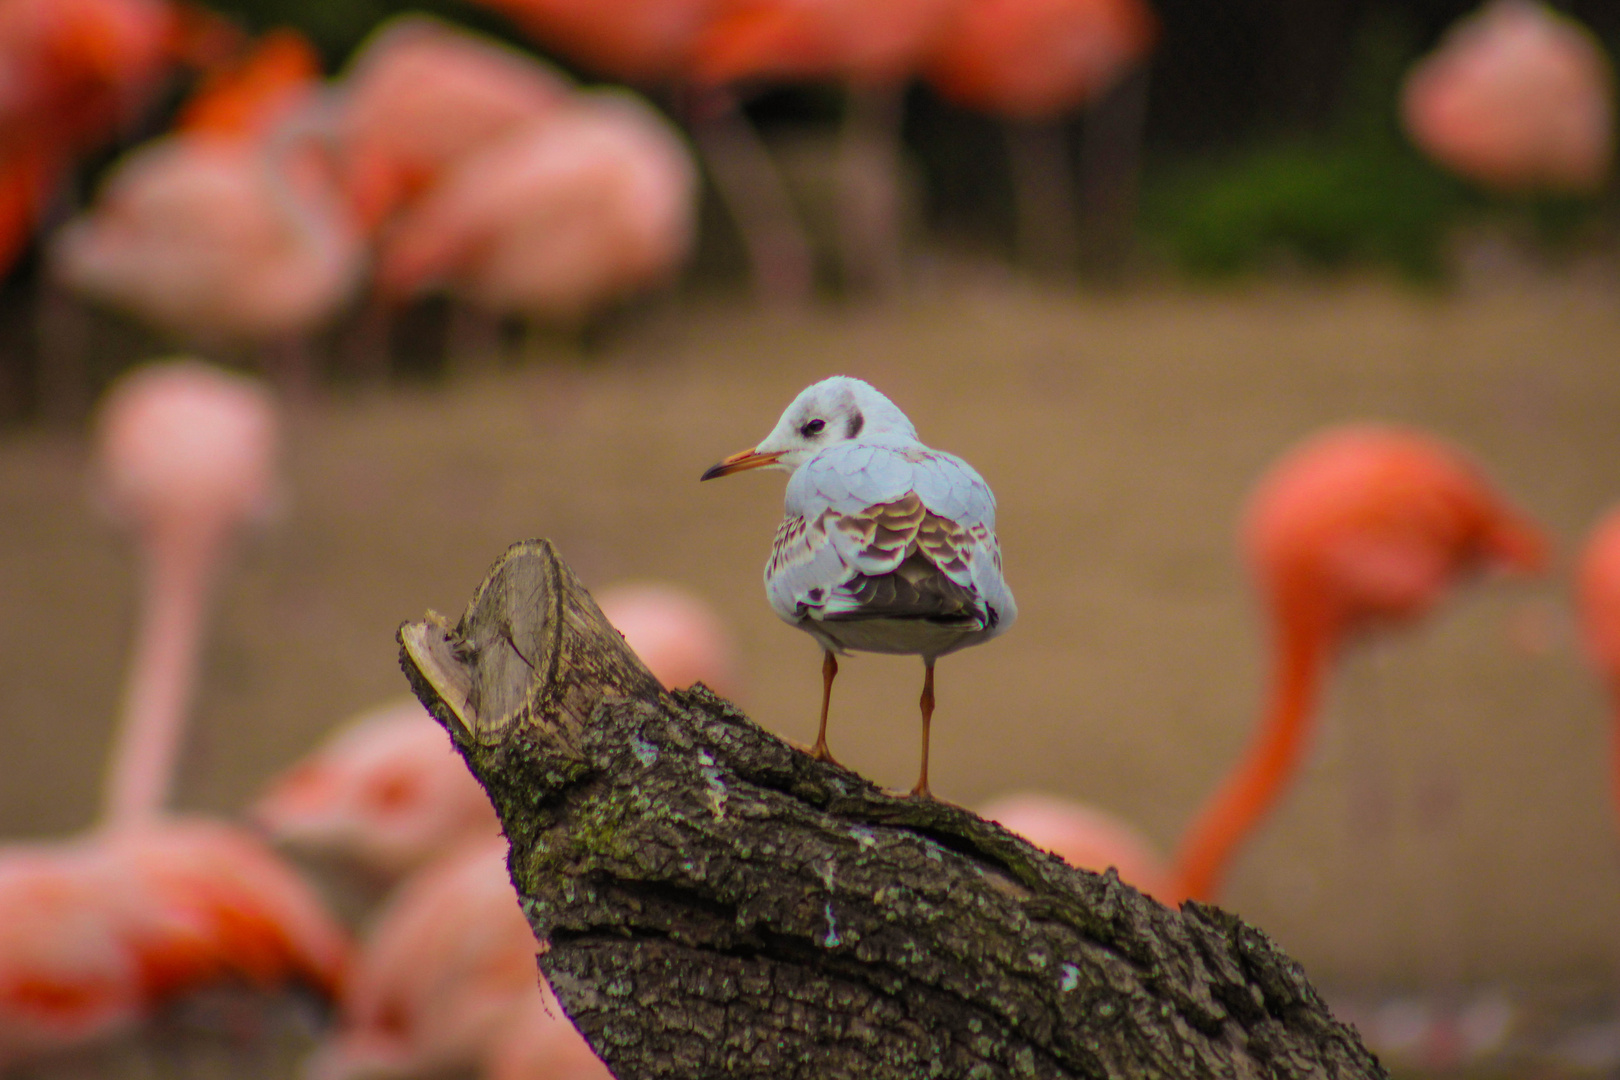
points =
(720, 904)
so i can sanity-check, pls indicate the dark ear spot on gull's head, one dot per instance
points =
(856, 422)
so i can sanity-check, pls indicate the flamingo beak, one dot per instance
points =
(741, 461)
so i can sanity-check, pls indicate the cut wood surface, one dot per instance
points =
(719, 904)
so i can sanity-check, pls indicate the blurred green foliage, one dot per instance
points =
(1320, 203)
(1357, 193)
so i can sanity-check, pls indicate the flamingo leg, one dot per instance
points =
(752, 189)
(829, 671)
(869, 195)
(927, 704)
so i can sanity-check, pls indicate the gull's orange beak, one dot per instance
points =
(740, 462)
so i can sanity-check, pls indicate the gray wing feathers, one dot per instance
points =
(879, 532)
(803, 567)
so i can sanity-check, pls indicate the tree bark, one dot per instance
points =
(720, 904)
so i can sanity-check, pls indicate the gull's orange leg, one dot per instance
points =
(927, 704)
(829, 670)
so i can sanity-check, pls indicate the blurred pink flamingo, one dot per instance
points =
(675, 632)
(447, 979)
(1359, 528)
(645, 42)
(555, 222)
(652, 44)
(386, 791)
(538, 1041)
(97, 932)
(1034, 62)
(1517, 97)
(1085, 837)
(419, 97)
(223, 237)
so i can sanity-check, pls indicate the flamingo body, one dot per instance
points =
(1598, 592)
(75, 70)
(573, 213)
(538, 1041)
(1038, 59)
(386, 790)
(1517, 97)
(72, 72)
(422, 95)
(97, 932)
(450, 963)
(675, 633)
(820, 39)
(1084, 837)
(198, 238)
(640, 41)
(67, 975)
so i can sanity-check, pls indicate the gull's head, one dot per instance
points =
(832, 411)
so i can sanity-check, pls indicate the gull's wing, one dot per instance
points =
(877, 532)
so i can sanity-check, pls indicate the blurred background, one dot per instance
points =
(1120, 258)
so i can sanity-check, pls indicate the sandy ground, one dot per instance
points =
(1453, 824)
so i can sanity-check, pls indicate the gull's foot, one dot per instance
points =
(821, 753)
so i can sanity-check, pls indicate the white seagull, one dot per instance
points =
(887, 546)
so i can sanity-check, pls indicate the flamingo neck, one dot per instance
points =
(1253, 788)
(177, 572)
(314, 215)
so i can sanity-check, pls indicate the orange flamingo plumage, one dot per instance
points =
(244, 100)
(638, 41)
(872, 49)
(1360, 527)
(1039, 59)
(76, 73)
(868, 44)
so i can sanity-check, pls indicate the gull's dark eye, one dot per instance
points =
(812, 429)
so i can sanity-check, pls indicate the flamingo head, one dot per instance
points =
(181, 444)
(1365, 525)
